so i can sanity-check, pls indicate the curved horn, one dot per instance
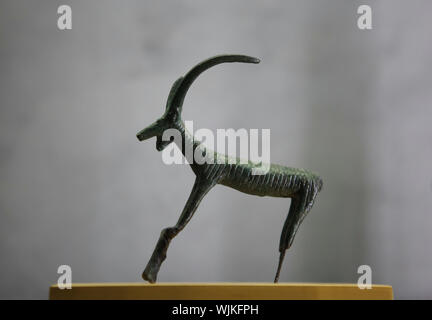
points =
(188, 79)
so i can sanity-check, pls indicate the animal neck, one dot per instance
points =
(188, 144)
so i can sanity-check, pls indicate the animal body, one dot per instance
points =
(279, 181)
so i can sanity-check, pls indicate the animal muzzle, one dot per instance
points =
(149, 132)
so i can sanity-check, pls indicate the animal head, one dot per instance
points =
(172, 116)
(168, 120)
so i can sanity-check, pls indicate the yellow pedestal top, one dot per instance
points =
(221, 291)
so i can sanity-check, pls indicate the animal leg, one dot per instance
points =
(289, 229)
(301, 204)
(199, 190)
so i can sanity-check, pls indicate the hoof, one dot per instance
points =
(148, 276)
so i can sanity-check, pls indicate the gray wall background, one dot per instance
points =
(77, 188)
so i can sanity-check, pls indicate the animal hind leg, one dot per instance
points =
(300, 206)
(289, 222)
(199, 190)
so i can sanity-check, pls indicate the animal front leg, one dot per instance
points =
(199, 190)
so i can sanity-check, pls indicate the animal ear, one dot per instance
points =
(172, 92)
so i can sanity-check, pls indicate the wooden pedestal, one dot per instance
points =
(220, 291)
